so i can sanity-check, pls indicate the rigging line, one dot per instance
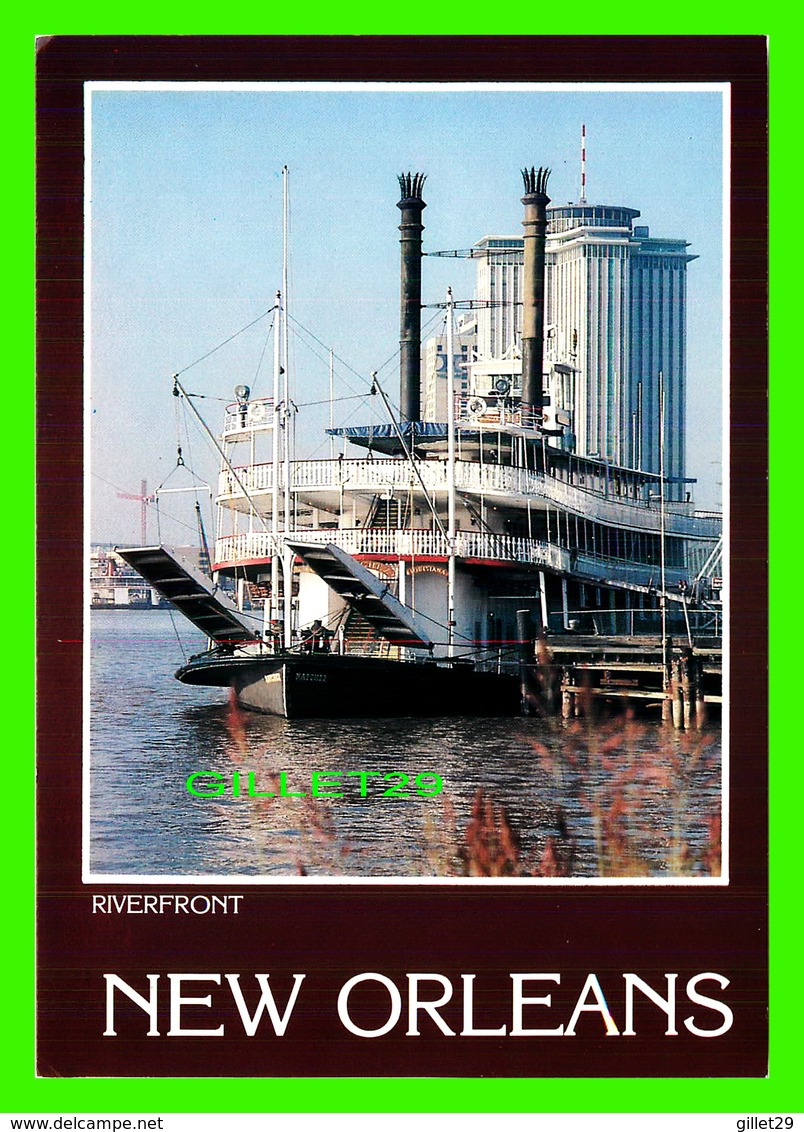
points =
(96, 475)
(178, 389)
(226, 341)
(300, 338)
(440, 625)
(208, 397)
(205, 434)
(343, 424)
(393, 357)
(177, 419)
(264, 348)
(189, 466)
(427, 325)
(172, 622)
(197, 483)
(335, 400)
(411, 460)
(324, 346)
(352, 414)
(351, 369)
(433, 317)
(323, 360)
(181, 444)
(390, 360)
(337, 357)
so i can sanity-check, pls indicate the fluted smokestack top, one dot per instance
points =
(535, 181)
(411, 186)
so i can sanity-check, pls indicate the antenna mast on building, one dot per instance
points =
(583, 164)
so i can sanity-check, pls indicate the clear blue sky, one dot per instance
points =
(186, 213)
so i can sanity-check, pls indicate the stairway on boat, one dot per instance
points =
(388, 514)
(362, 639)
(385, 513)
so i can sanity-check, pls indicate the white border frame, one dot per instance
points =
(238, 880)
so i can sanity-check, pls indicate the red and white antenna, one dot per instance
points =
(583, 164)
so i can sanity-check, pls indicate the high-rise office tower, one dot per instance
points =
(615, 322)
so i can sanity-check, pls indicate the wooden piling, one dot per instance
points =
(567, 679)
(667, 662)
(677, 695)
(685, 665)
(671, 678)
(700, 702)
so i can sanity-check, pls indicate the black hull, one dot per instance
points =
(330, 686)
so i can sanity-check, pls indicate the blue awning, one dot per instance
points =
(432, 430)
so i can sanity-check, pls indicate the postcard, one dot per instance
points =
(402, 465)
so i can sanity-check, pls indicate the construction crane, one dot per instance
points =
(144, 499)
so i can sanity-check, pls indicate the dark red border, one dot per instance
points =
(334, 933)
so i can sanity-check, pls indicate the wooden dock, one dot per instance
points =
(680, 680)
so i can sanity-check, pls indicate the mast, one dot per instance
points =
(331, 403)
(288, 558)
(275, 463)
(662, 514)
(450, 476)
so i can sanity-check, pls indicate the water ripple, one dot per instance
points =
(521, 797)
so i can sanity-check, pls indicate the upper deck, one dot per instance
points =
(601, 498)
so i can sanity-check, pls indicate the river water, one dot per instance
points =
(521, 797)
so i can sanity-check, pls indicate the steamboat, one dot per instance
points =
(415, 572)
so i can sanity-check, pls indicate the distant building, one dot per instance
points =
(615, 318)
(616, 302)
(113, 584)
(499, 283)
(434, 370)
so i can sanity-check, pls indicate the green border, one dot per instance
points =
(24, 1093)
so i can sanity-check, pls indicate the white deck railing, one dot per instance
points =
(396, 543)
(423, 544)
(494, 481)
(240, 420)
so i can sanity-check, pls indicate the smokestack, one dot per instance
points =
(535, 201)
(410, 322)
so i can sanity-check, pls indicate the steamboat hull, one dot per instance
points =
(344, 687)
